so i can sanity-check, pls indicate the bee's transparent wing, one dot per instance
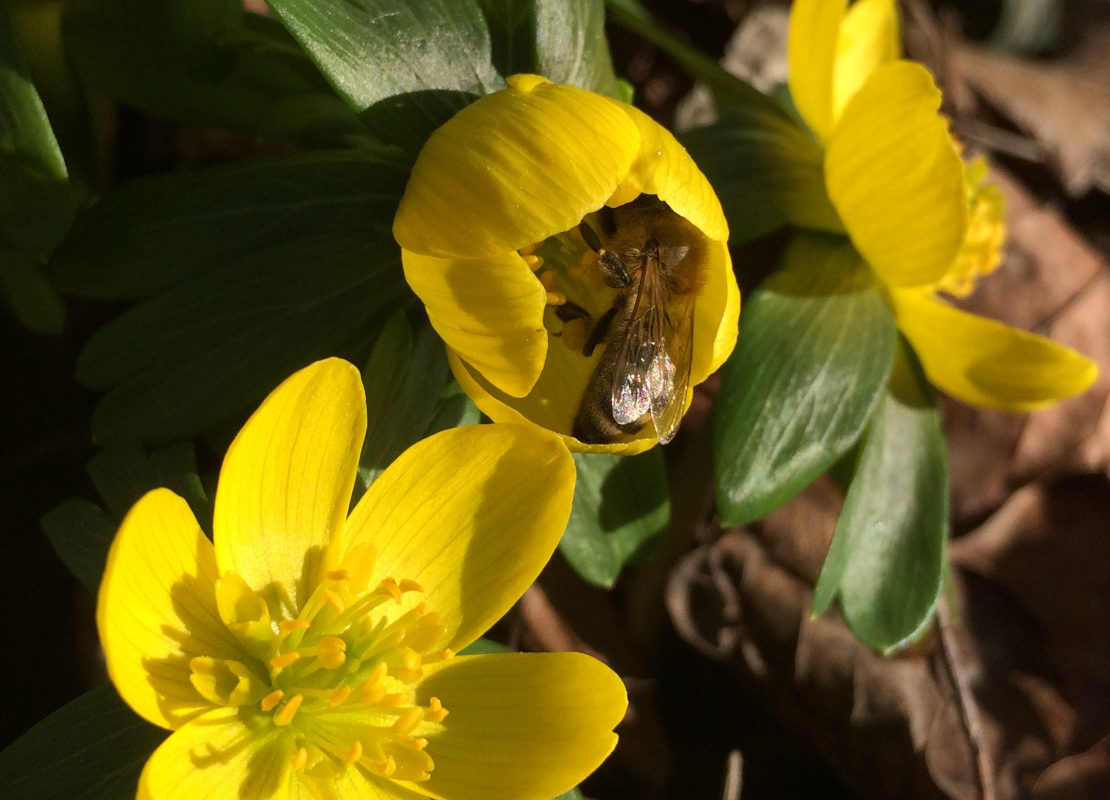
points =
(653, 366)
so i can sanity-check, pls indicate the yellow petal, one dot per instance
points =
(552, 403)
(218, 757)
(157, 609)
(868, 39)
(895, 178)
(472, 514)
(521, 725)
(811, 54)
(286, 481)
(488, 310)
(986, 363)
(513, 168)
(664, 168)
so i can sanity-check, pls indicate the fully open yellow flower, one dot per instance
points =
(490, 237)
(309, 653)
(924, 221)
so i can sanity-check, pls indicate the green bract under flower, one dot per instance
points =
(924, 221)
(308, 653)
(490, 230)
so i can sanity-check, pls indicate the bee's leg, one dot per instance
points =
(608, 221)
(601, 327)
(570, 310)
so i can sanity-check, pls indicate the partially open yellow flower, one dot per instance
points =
(923, 220)
(309, 653)
(490, 233)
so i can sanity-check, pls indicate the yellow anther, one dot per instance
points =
(410, 659)
(528, 249)
(447, 654)
(354, 754)
(333, 652)
(339, 575)
(387, 767)
(407, 722)
(556, 298)
(418, 744)
(300, 759)
(410, 586)
(547, 280)
(270, 701)
(339, 696)
(534, 262)
(334, 600)
(289, 710)
(290, 625)
(393, 700)
(436, 711)
(390, 587)
(284, 660)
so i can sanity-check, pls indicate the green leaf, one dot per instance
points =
(406, 66)
(767, 172)
(36, 202)
(815, 349)
(29, 292)
(620, 505)
(204, 62)
(253, 271)
(124, 472)
(886, 564)
(90, 749)
(81, 534)
(405, 380)
(119, 249)
(563, 40)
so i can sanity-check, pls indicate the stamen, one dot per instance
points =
(533, 262)
(354, 754)
(334, 600)
(408, 585)
(284, 660)
(339, 575)
(436, 711)
(528, 249)
(333, 652)
(285, 716)
(300, 759)
(387, 768)
(339, 696)
(270, 701)
(447, 654)
(556, 298)
(390, 587)
(407, 722)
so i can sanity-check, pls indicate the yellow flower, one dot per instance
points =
(490, 233)
(309, 653)
(923, 220)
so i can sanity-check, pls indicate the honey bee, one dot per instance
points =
(655, 260)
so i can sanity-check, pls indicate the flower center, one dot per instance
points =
(981, 251)
(340, 677)
(576, 293)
